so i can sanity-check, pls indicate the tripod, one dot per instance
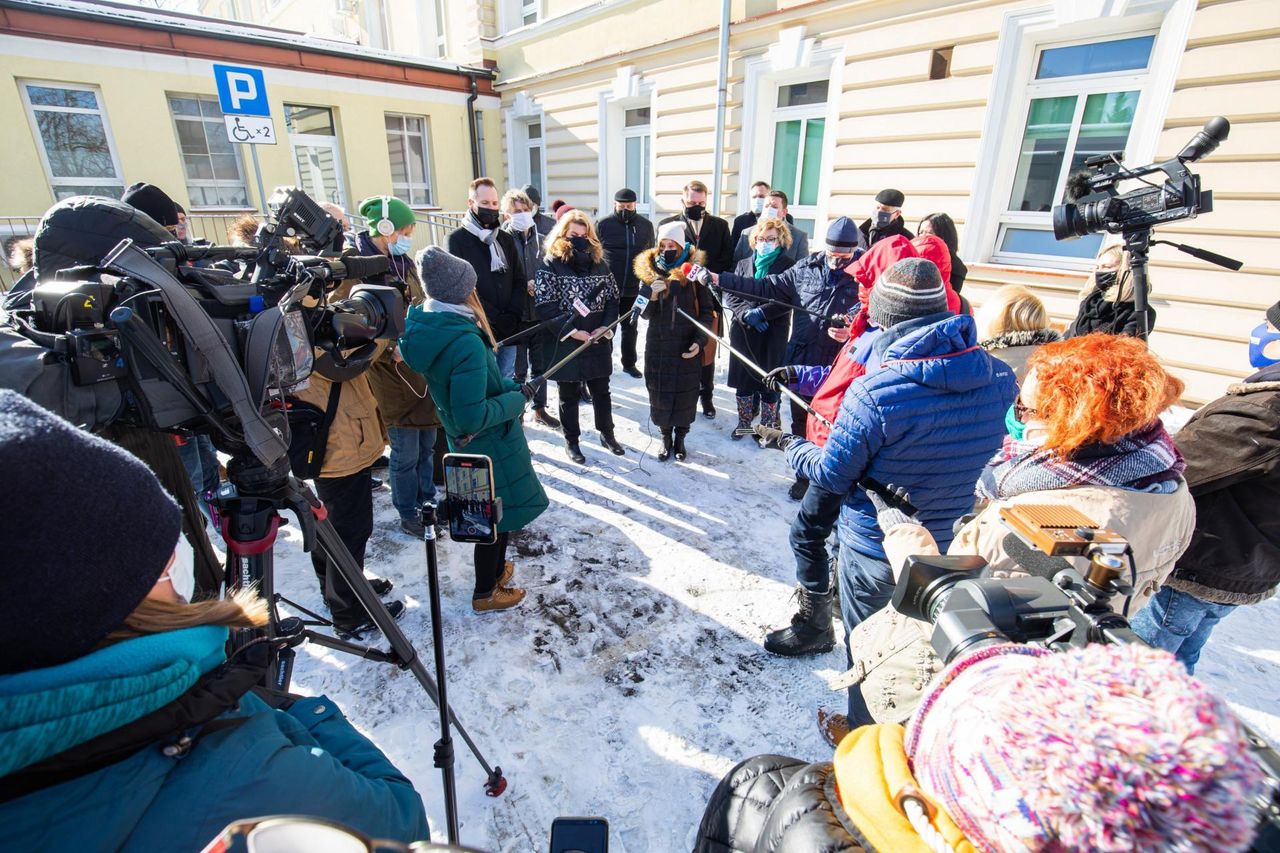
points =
(249, 521)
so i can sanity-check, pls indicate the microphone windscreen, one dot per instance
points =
(686, 268)
(1078, 186)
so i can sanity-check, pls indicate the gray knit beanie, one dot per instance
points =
(909, 289)
(446, 278)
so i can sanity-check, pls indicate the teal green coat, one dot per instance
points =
(473, 399)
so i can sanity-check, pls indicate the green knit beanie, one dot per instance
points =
(373, 210)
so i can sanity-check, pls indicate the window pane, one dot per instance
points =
(634, 157)
(393, 122)
(1099, 58)
(805, 225)
(1043, 148)
(417, 157)
(786, 151)
(216, 136)
(318, 120)
(802, 94)
(76, 144)
(198, 167)
(636, 118)
(535, 130)
(413, 124)
(811, 168)
(233, 196)
(225, 167)
(395, 150)
(62, 191)
(530, 18)
(210, 110)
(1033, 241)
(535, 167)
(644, 171)
(184, 106)
(47, 96)
(191, 137)
(1104, 129)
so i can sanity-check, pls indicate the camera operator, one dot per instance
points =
(1106, 301)
(1014, 750)
(1086, 434)
(123, 724)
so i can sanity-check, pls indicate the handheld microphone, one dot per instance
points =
(695, 272)
(637, 308)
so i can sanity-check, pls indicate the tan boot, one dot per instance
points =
(833, 726)
(500, 599)
(508, 571)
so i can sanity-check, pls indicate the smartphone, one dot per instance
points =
(468, 487)
(580, 835)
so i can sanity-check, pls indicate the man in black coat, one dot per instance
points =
(625, 234)
(775, 205)
(886, 218)
(709, 235)
(501, 283)
(744, 222)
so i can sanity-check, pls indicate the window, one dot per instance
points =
(528, 12)
(1082, 102)
(635, 155)
(441, 42)
(209, 160)
(799, 130)
(534, 156)
(316, 155)
(75, 140)
(409, 146)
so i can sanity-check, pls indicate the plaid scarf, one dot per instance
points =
(1142, 461)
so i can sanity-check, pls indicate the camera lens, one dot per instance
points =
(1068, 223)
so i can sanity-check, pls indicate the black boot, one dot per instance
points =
(810, 631)
(708, 405)
(575, 452)
(665, 453)
(611, 444)
(681, 453)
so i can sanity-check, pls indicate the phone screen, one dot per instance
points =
(468, 483)
(580, 835)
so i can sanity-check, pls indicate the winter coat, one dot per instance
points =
(892, 657)
(809, 284)
(1232, 449)
(765, 348)
(557, 286)
(403, 400)
(673, 381)
(928, 419)
(622, 241)
(543, 223)
(959, 272)
(475, 400)
(712, 240)
(827, 385)
(1099, 314)
(529, 247)
(503, 293)
(896, 226)
(1014, 348)
(138, 697)
(784, 805)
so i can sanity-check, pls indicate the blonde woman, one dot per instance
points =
(574, 279)
(1013, 324)
(1106, 302)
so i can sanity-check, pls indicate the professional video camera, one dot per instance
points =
(969, 611)
(1095, 204)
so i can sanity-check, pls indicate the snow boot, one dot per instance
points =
(665, 453)
(508, 572)
(769, 415)
(502, 598)
(833, 727)
(810, 631)
(708, 405)
(542, 416)
(611, 444)
(798, 488)
(681, 453)
(745, 413)
(575, 452)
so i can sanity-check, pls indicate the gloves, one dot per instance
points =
(658, 288)
(531, 388)
(692, 351)
(893, 504)
(755, 319)
(775, 438)
(775, 379)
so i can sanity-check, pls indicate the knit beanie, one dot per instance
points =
(532, 192)
(446, 278)
(843, 236)
(373, 210)
(673, 231)
(86, 529)
(1104, 748)
(152, 201)
(909, 289)
(563, 210)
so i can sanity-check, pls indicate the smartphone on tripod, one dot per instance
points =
(580, 835)
(472, 508)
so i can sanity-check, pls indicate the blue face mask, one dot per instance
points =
(402, 246)
(1264, 346)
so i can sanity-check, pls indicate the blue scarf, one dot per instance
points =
(662, 265)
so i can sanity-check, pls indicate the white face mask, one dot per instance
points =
(182, 574)
(757, 205)
(522, 221)
(764, 247)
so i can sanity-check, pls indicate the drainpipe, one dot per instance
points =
(471, 126)
(721, 91)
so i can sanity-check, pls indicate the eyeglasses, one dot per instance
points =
(1020, 410)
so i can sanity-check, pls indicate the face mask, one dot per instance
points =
(182, 574)
(837, 262)
(1104, 278)
(1264, 346)
(775, 212)
(580, 244)
(402, 246)
(881, 218)
(670, 256)
(1015, 427)
(522, 221)
(628, 215)
(694, 211)
(757, 205)
(487, 217)
(765, 247)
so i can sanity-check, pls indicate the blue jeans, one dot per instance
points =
(819, 511)
(1179, 622)
(507, 361)
(866, 585)
(201, 462)
(412, 465)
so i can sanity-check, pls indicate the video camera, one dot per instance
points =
(169, 342)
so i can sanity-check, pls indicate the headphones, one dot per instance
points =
(384, 225)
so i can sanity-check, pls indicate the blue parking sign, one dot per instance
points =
(241, 90)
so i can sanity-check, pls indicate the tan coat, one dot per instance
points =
(892, 657)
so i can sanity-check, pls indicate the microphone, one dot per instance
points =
(695, 272)
(1079, 186)
(637, 307)
(1206, 141)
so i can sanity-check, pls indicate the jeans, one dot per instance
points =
(350, 503)
(819, 511)
(866, 585)
(412, 467)
(1179, 622)
(201, 462)
(507, 362)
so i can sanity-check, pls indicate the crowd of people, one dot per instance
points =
(895, 386)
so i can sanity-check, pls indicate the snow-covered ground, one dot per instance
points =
(633, 676)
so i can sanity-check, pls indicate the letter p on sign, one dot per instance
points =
(241, 90)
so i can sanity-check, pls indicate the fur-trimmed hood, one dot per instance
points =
(1032, 338)
(647, 271)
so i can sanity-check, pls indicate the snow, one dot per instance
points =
(633, 677)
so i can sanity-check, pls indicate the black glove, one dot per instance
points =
(775, 438)
(775, 379)
(893, 504)
(531, 388)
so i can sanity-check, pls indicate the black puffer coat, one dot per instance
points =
(765, 348)
(671, 379)
(556, 288)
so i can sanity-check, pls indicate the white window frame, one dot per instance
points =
(441, 39)
(645, 132)
(1024, 35)
(511, 14)
(101, 112)
(320, 140)
(804, 114)
(522, 113)
(628, 92)
(427, 172)
(205, 182)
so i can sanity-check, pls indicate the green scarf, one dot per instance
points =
(763, 262)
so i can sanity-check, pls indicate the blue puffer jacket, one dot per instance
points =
(928, 420)
(308, 760)
(812, 285)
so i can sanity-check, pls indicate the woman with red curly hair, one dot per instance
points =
(1085, 433)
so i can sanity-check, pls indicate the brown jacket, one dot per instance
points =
(401, 392)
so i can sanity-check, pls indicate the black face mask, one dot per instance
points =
(881, 219)
(670, 256)
(694, 212)
(581, 251)
(627, 215)
(487, 217)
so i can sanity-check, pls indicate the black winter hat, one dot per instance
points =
(152, 201)
(86, 530)
(893, 198)
(1273, 315)
(532, 192)
(625, 195)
